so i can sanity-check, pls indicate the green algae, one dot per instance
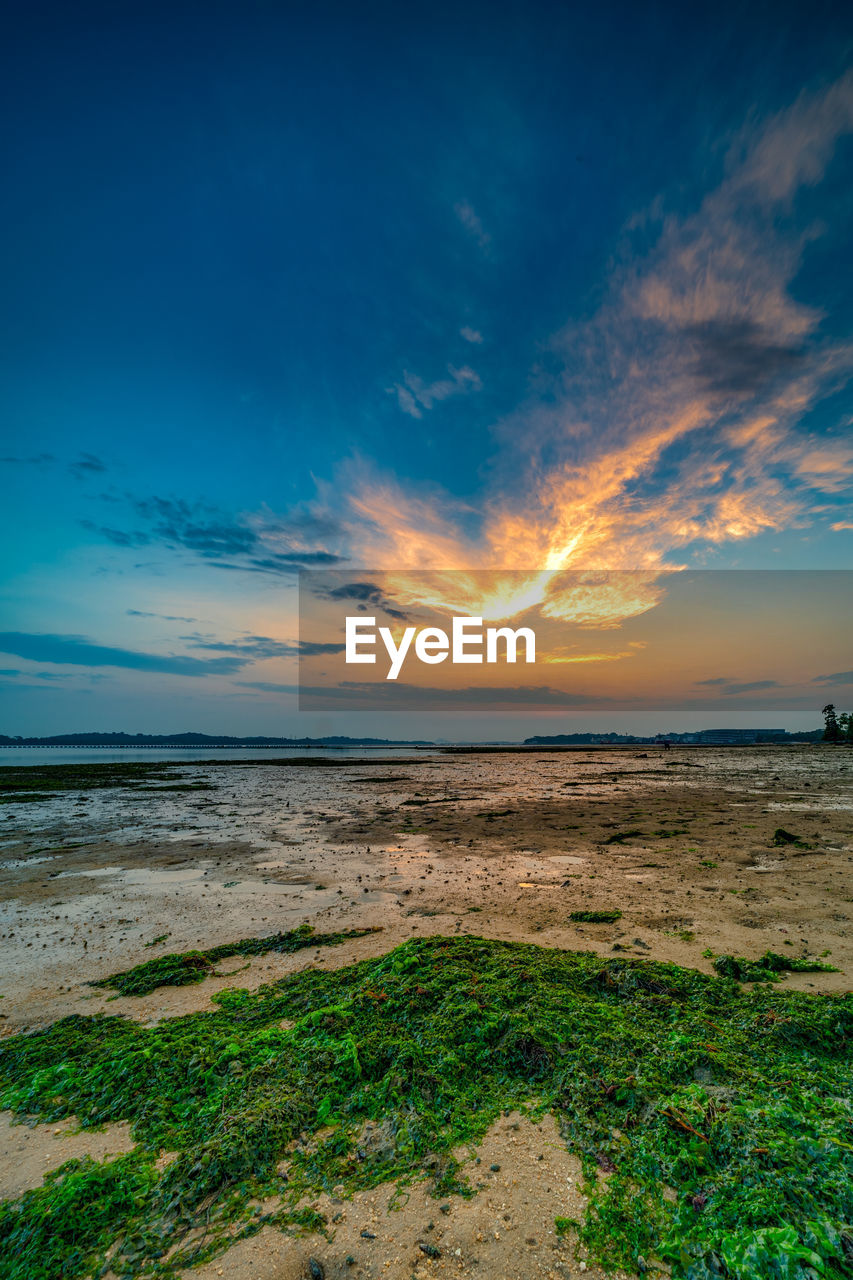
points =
(596, 917)
(40, 781)
(177, 969)
(722, 1114)
(768, 967)
(43, 780)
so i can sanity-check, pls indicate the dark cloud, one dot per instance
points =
(734, 357)
(78, 651)
(365, 593)
(197, 528)
(751, 686)
(835, 677)
(303, 526)
(87, 464)
(316, 648)
(222, 541)
(50, 676)
(118, 537)
(283, 564)
(260, 647)
(728, 686)
(267, 686)
(167, 617)
(307, 558)
(35, 460)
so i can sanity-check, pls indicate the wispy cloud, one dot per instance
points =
(259, 648)
(86, 465)
(415, 397)
(471, 335)
(751, 686)
(257, 542)
(676, 415)
(836, 677)
(729, 687)
(78, 651)
(166, 617)
(32, 460)
(471, 221)
(267, 686)
(364, 594)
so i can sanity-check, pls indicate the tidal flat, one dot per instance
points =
(524, 962)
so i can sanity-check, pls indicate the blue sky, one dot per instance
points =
(493, 285)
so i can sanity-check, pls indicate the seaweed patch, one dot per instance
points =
(768, 967)
(721, 1113)
(596, 917)
(177, 969)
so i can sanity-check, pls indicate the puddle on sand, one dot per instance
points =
(15, 864)
(407, 846)
(90, 875)
(824, 805)
(146, 876)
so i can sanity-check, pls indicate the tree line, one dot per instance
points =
(837, 727)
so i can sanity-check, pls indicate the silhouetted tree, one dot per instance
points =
(831, 730)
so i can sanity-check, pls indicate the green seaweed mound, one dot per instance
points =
(722, 1113)
(768, 967)
(179, 968)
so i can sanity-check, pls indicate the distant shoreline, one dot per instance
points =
(223, 742)
(214, 746)
(444, 748)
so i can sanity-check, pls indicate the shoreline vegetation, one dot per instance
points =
(713, 1120)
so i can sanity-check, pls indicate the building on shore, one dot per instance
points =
(733, 737)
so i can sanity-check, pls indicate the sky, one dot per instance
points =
(478, 287)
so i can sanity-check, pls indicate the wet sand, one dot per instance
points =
(500, 845)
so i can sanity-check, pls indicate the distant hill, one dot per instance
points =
(701, 737)
(200, 740)
(560, 739)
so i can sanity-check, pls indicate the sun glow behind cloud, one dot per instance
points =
(671, 419)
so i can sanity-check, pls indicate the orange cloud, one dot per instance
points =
(675, 418)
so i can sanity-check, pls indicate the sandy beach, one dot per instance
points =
(505, 845)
